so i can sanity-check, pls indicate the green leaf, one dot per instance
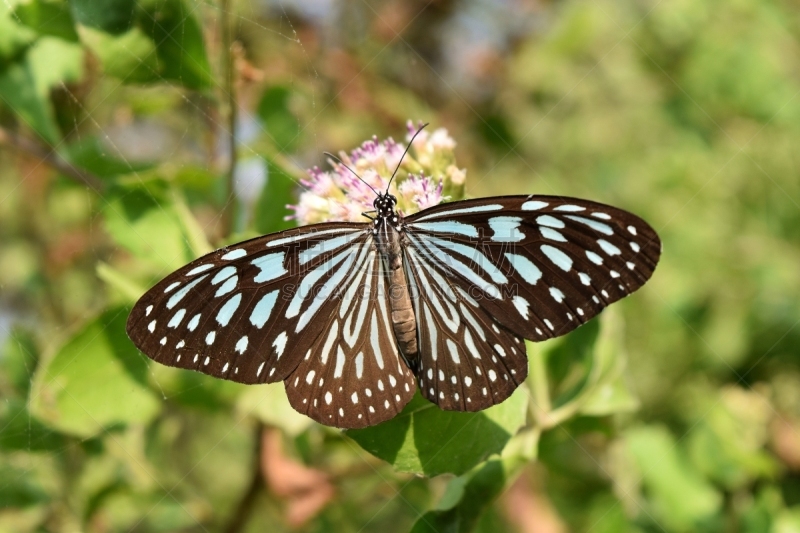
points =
(282, 126)
(48, 18)
(680, 497)
(94, 381)
(19, 91)
(468, 496)
(585, 371)
(129, 290)
(91, 154)
(17, 490)
(23, 432)
(145, 222)
(179, 42)
(53, 62)
(426, 440)
(111, 16)
(278, 192)
(17, 363)
(14, 37)
(25, 86)
(269, 404)
(130, 56)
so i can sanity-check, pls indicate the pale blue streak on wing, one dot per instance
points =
(327, 245)
(327, 289)
(506, 229)
(471, 253)
(226, 311)
(434, 254)
(447, 226)
(263, 309)
(309, 280)
(178, 296)
(558, 258)
(462, 211)
(525, 267)
(271, 266)
(223, 274)
(595, 225)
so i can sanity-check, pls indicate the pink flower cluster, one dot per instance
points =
(427, 176)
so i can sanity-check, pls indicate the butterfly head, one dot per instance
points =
(384, 204)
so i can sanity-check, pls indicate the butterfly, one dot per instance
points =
(354, 317)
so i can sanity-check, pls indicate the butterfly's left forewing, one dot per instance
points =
(250, 312)
(535, 267)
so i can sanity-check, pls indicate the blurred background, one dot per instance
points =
(117, 165)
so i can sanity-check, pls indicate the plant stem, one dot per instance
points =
(241, 514)
(540, 389)
(48, 155)
(229, 88)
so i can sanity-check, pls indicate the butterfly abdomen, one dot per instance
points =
(404, 323)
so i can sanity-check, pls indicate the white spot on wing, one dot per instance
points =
(172, 286)
(521, 305)
(280, 343)
(198, 269)
(234, 254)
(534, 205)
(241, 344)
(556, 294)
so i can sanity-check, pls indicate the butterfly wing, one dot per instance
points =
(467, 361)
(249, 312)
(536, 266)
(353, 375)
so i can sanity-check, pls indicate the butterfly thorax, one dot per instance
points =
(388, 234)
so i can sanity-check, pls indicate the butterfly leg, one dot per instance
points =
(366, 214)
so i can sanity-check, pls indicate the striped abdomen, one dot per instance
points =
(404, 322)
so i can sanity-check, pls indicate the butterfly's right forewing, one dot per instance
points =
(249, 313)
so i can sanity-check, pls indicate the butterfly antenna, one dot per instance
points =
(353, 171)
(404, 154)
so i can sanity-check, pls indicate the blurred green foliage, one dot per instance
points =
(678, 410)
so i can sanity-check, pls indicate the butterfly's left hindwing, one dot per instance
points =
(249, 312)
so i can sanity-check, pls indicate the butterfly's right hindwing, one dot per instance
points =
(249, 312)
(354, 376)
